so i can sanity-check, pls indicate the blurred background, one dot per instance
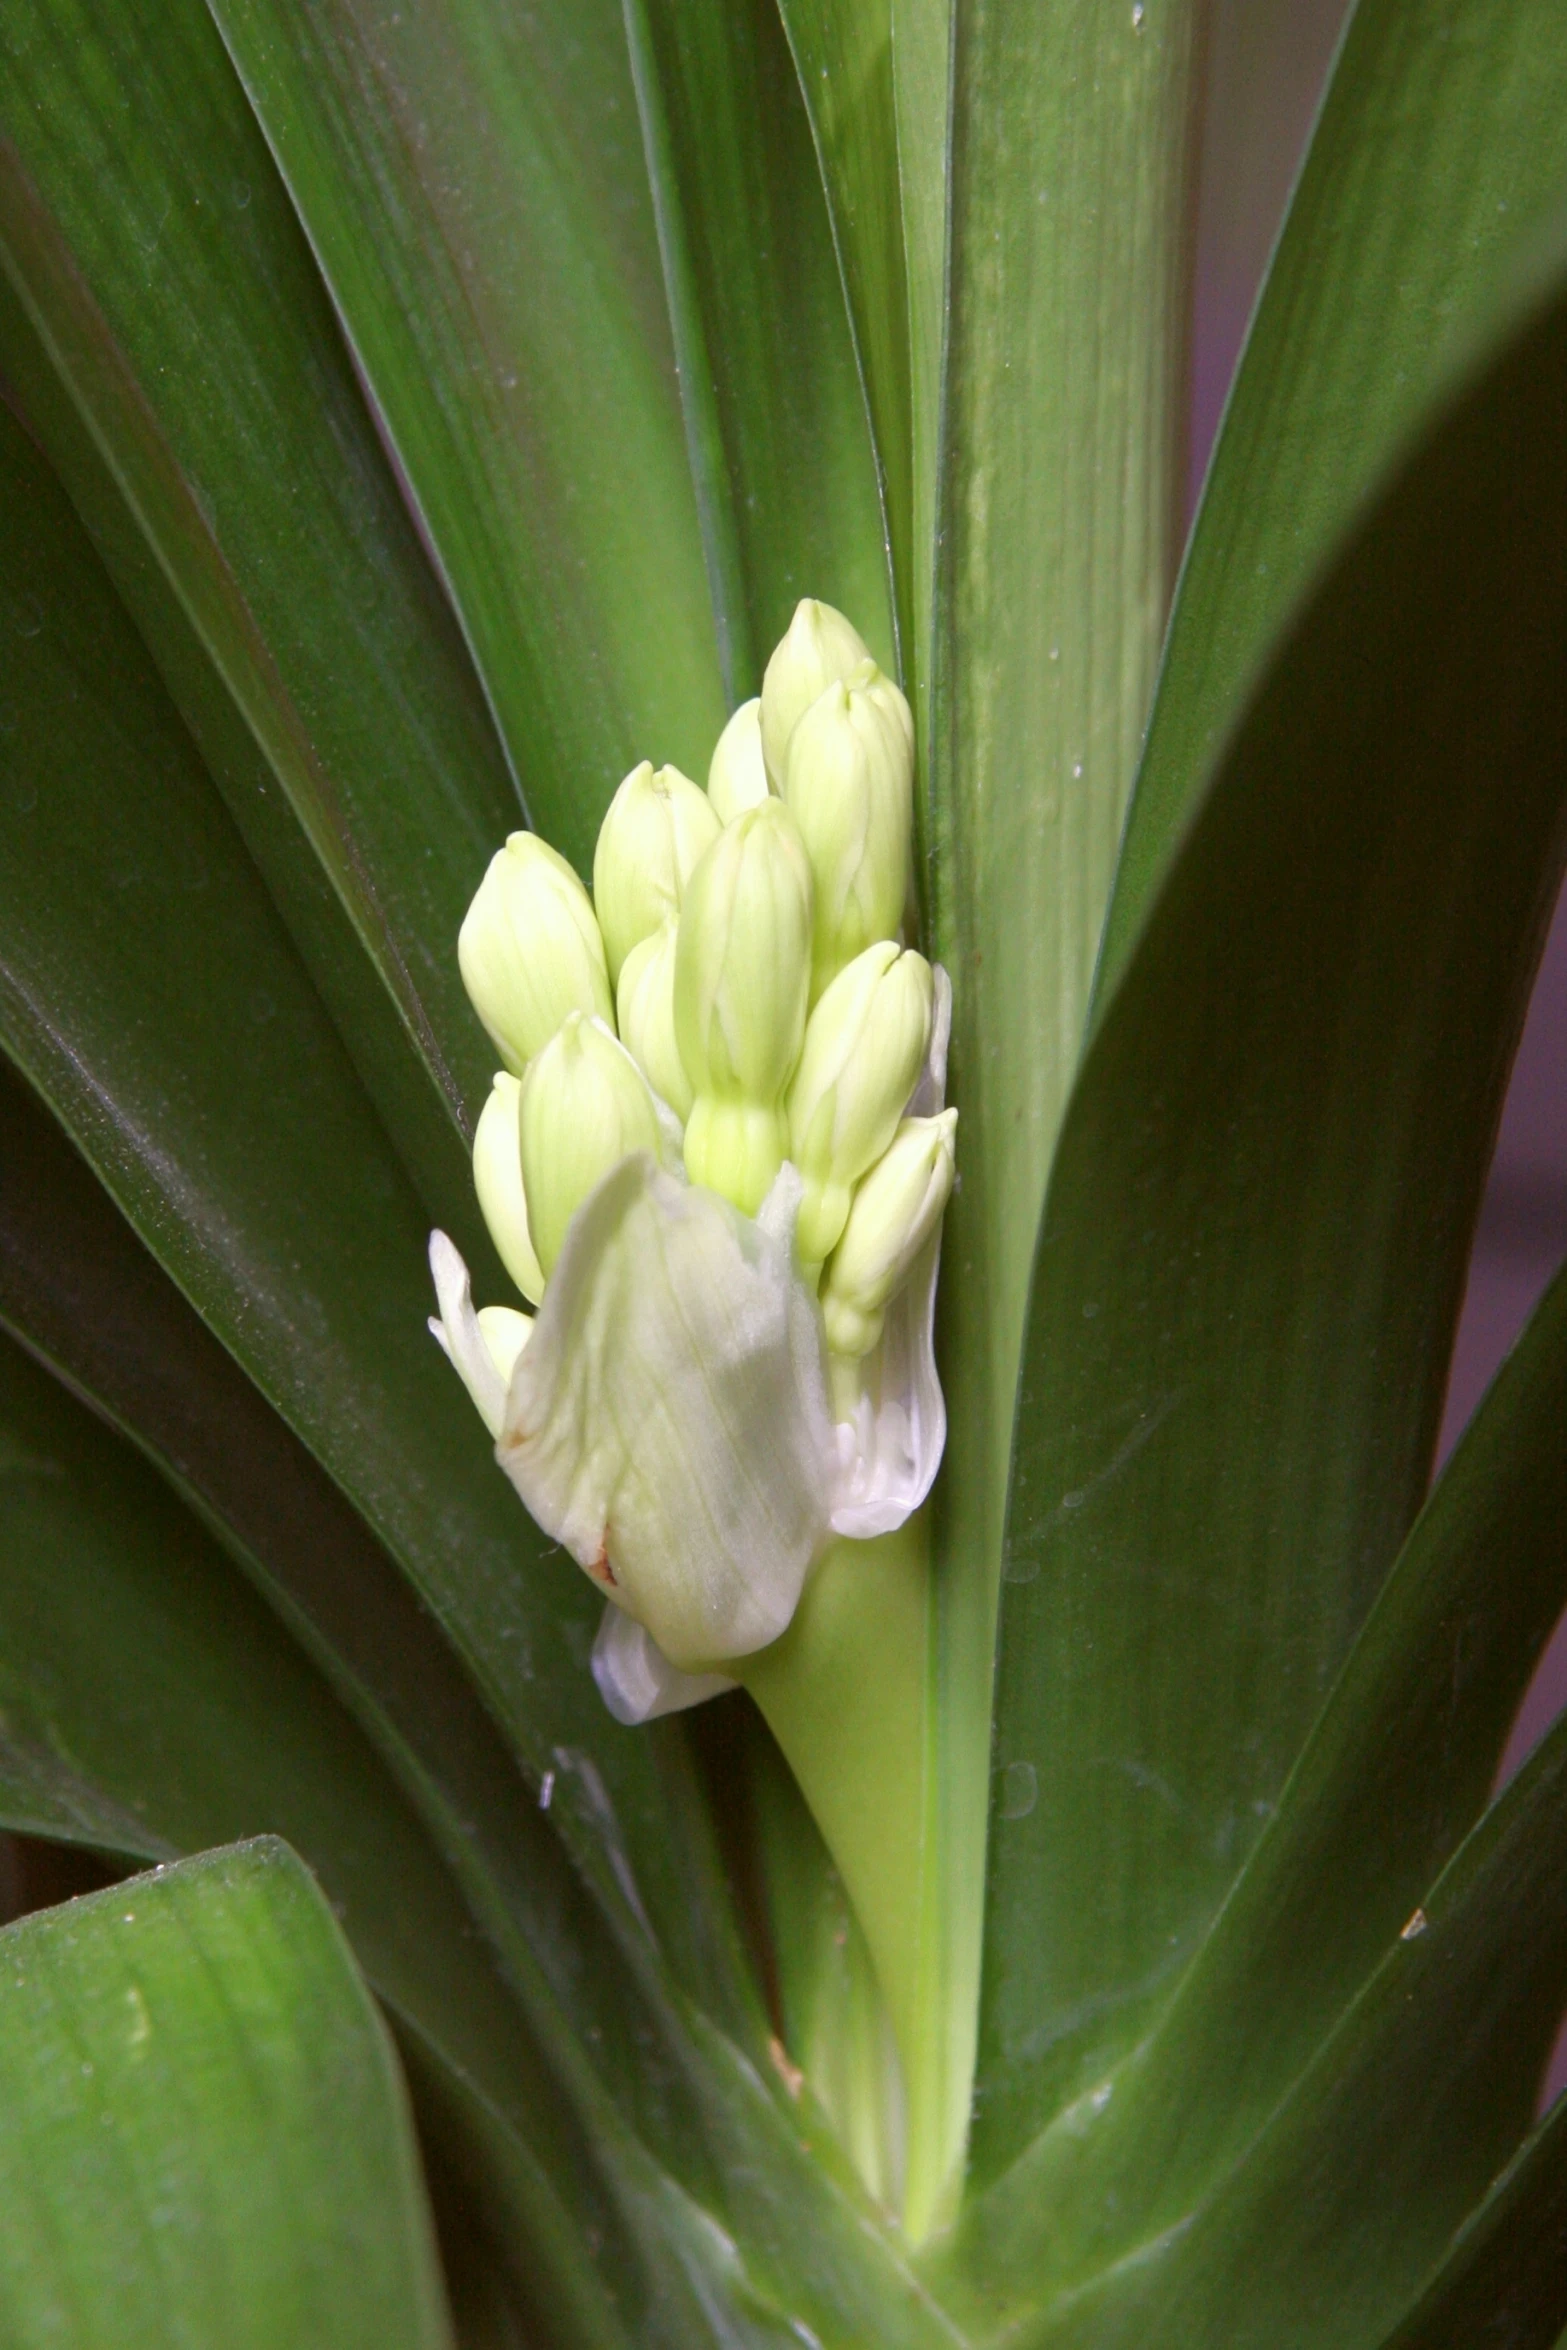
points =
(1267, 63)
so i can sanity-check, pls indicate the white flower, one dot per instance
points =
(665, 1415)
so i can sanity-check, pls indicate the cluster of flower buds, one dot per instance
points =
(732, 1355)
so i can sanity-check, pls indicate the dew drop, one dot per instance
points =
(1019, 1790)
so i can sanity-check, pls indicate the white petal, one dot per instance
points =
(889, 1456)
(930, 1094)
(668, 1419)
(459, 1334)
(636, 1679)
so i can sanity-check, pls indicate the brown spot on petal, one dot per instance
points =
(602, 1571)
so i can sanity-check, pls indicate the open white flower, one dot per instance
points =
(668, 1417)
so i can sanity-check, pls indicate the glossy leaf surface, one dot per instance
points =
(472, 182)
(843, 51)
(1240, 1322)
(766, 360)
(137, 941)
(1444, 133)
(194, 2075)
(179, 359)
(625, 2057)
(1061, 406)
(1345, 2203)
(1397, 1770)
(1505, 2279)
(154, 1707)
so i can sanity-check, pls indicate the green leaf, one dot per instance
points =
(1258, 1226)
(1398, 1767)
(922, 108)
(205, 418)
(1505, 2280)
(191, 2078)
(1326, 2232)
(843, 52)
(1443, 133)
(626, 2054)
(775, 421)
(471, 180)
(1061, 438)
(152, 998)
(152, 1706)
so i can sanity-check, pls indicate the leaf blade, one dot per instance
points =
(473, 188)
(220, 1999)
(774, 414)
(1228, 1232)
(1439, 136)
(208, 425)
(1398, 1768)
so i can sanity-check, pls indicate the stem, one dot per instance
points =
(846, 1694)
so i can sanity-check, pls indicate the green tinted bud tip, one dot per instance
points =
(658, 826)
(584, 1107)
(742, 975)
(821, 646)
(864, 1047)
(849, 785)
(529, 950)
(737, 777)
(896, 1210)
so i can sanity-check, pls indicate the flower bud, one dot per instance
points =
(529, 949)
(497, 1178)
(864, 1046)
(850, 788)
(737, 778)
(820, 647)
(645, 1014)
(657, 827)
(584, 1107)
(742, 973)
(505, 1333)
(896, 1209)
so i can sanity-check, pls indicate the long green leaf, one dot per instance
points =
(1328, 2230)
(843, 53)
(205, 417)
(922, 108)
(472, 182)
(152, 998)
(622, 2060)
(776, 425)
(203, 2136)
(1061, 433)
(1445, 130)
(1258, 1225)
(1504, 2283)
(1398, 1768)
(153, 1707)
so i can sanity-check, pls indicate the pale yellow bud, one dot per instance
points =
(497, 1178)
(529, 950)
(820, 647)
(737, 777)
(505, 1333)
(864, 1046)
(742, 976)
(658, 825)
(585, 1106)
(850, 788)
(645, 1012)
(896, 1209)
